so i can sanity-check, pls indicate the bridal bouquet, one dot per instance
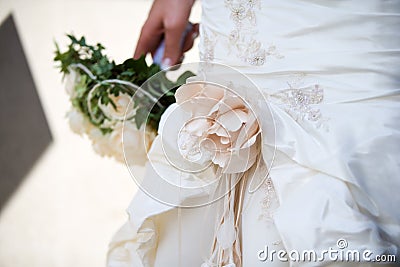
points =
(112, 100)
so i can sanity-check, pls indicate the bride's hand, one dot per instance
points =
(167, 19)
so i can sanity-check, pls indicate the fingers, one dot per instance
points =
(173, 49)
(190, 37)
(170, 25)
(152, 35)
(150, 38)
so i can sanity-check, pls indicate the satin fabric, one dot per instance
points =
(332, 182)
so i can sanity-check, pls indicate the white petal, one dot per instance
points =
(232, 120)
(213, 91)
(230, 103)
(187, 91)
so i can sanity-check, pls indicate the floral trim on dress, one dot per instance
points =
(242, 37)
(209, 40)
(299, 102)
(270, 202)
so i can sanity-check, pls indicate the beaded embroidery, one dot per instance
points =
(209, 41)
(299, 102)
(270, 201)
(242, 36)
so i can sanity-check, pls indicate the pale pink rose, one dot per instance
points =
(222, 128)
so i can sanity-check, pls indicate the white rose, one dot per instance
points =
(78, 122)
(101, 142)
(134, 142)
(122, 105)
(71, 79)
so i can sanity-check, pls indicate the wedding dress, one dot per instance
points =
(330, 72)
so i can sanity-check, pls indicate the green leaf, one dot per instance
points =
(137, 64)
(105, 131)
(82, 41)
(183, 77)
(141, 116)
(128, 73)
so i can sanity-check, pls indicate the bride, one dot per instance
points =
(329, 72)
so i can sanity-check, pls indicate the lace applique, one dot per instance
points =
(299, 103)
(242, 36)
(270, 201)
(209, 42)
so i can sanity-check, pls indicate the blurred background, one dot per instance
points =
(60, 203)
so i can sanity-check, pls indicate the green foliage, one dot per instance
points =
(93, 58)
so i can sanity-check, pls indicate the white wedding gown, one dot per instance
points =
(330, 69)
